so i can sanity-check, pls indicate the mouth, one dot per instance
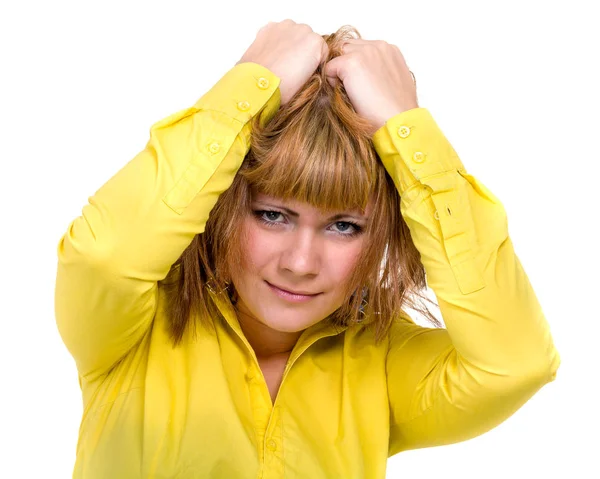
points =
(290, 296)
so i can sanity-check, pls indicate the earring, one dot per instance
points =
(210, 284)
(364, 302)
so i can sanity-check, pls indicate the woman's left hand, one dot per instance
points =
(376, 79)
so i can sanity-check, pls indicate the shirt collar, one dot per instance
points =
(309, 336)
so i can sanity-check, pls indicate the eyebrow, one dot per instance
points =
(296, 215)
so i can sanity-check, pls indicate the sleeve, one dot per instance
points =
(447, 385)
(139, 222)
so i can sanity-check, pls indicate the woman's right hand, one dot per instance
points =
(291, 50)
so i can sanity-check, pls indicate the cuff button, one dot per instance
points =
(243, 105)
(403, 131)
(262, 83)
(418, 157)
(214, 147)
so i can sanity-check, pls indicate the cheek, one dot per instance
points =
(343, 262)
(255, 250)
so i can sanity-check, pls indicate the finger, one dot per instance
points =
(350, 46)
(334, 70)
(324, 51)
(357, 41)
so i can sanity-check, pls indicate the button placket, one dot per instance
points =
(273, 440)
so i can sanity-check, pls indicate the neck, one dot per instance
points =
(266, 342)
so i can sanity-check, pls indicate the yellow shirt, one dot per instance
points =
(203, 410)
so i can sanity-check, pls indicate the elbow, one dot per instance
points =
(519, 373)
(544, 369)
(549, 366)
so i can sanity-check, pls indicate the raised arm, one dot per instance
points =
(449, 385)
(139, 222)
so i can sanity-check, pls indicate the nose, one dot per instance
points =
(301, 252)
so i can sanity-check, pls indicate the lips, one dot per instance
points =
(302, 293)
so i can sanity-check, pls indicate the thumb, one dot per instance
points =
(334, 70)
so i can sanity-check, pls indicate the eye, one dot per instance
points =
(262, 216)
(271, 215)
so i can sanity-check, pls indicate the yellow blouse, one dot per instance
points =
(203, 410)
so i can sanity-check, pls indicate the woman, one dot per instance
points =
(235, 297)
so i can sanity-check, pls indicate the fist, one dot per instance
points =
(376, 79)
(291, 50)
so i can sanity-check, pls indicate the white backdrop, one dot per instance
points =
(512, 84)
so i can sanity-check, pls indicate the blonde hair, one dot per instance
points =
(318, 150)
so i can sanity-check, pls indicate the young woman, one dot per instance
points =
(235, 296)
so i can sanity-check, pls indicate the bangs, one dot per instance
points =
(316, 159)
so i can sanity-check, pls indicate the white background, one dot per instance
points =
(512, 84)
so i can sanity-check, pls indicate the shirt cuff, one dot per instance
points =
(414, 151)
(218, 126)
(244, 91)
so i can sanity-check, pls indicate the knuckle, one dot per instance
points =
(317, 40)
(373, 47)
(354, 60)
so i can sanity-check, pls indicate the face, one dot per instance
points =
(300, 249)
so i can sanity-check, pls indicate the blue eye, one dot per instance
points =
(260, 215)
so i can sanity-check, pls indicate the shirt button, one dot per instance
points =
(262, 83)
(243, 105)
(272, 445)
(403, 131)
(418, 157)
(436, 215)
(214, 147)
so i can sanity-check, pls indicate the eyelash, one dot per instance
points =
(259, 216)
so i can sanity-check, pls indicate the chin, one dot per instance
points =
(291, 325)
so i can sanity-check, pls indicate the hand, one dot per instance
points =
(376, 79)
(291, 50)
